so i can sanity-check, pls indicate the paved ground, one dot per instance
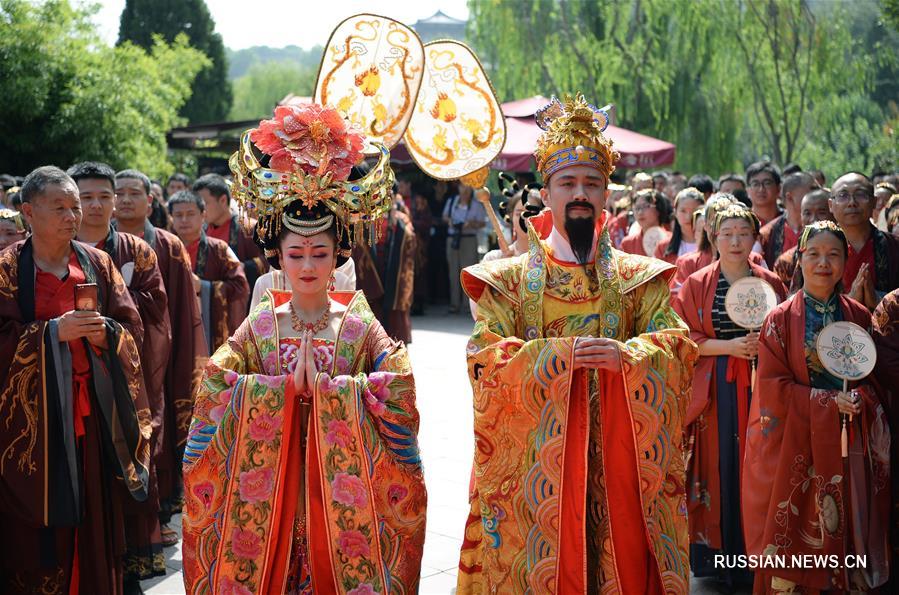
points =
(444, 401)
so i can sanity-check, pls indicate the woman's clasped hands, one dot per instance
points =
(305, 370)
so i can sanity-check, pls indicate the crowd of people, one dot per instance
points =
(201, 348)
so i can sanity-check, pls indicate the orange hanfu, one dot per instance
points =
(255, 450)
(578, 482)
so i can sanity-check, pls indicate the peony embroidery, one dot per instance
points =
(343, 366)
(272, 382)
(353, 544)
(264, 324)
(353, 328)
(257, 484)
(246, 544)
(228, 586)
(377, 391)
(311, 138)
(339, 433)
(349, 490)
(264, 427)
(270, 363)
(323, 355)
(363, 589)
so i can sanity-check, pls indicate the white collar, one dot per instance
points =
(561, 249)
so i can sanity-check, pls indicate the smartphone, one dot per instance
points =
(86, 296)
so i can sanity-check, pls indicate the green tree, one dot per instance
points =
(258, 91)
(143, 19)
(654, 59)
(68, 97)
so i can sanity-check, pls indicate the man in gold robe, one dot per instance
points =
(581, 373)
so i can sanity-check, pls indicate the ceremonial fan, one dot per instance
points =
(651, 239)
(847, 351)
(436, 97)
(748, 302)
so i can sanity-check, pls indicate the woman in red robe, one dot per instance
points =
(651, 209)
(705, 253)
(719, 408)
(800, 495)
(682, 240)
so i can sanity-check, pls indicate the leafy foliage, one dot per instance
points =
(728, 81)
(67, 97)
(264, 85)
(143, 20)
(240, 61)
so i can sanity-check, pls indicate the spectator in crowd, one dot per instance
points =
(177, 182)
(882, 194)
(682, 240)
(651, 210)
(813, 208)
(677, 181)
(6, 182)
(819, 177)
(763, 179)
(703, 183)
(12, 228)
(790, 168)
(783, 232)
(730, 182)
(464, 217)
(219, 279)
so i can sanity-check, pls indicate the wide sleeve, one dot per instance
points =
(689, 306)
(366, 489)
(241, 448)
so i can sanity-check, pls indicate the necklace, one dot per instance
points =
(301, 326)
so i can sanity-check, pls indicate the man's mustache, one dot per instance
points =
(579, 204)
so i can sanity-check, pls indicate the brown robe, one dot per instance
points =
(386, 275)
(248, 252)
(137, 262)
(886, 338)
(224, 291)
(58, 495)
(185, 364)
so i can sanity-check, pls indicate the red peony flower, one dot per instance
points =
(349, 490)
(353, 544)
(339, 433)
(246, 544)
(256, 485)
(264, 427)
(310, 138)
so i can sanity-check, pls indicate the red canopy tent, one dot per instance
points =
(638, 151)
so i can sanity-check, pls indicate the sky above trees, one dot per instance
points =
(243, 24)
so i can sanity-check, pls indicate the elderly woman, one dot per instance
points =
(301, 471)
(801, 495)
(719, 407)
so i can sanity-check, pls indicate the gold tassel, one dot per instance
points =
(844, 440)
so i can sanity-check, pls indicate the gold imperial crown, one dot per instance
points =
(267, 193)
(573, 135)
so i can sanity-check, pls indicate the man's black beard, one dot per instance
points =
(580, 232)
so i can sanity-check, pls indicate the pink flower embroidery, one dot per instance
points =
(228, 586)
(377, 392)
(339, 433)
(349, 490)
(343, 366)
(311, 138)
(397, 493)
(204, 491)
(353, 544)
(353, 328)
(273, 382)
(246, 544)
(264, 324)
(363, 589)
(289, 356)
(231, 377)
(323, 355)
(217, 412)
(264, 427)
(257, 484)
(270, 363)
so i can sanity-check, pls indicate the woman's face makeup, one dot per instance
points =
(308, 261)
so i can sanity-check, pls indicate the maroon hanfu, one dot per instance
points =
(185, 364)
(800, 495)
(137, 262)
(385, 273)
(224, 292)
(886, 337)
(241, 243)
(76, 426)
